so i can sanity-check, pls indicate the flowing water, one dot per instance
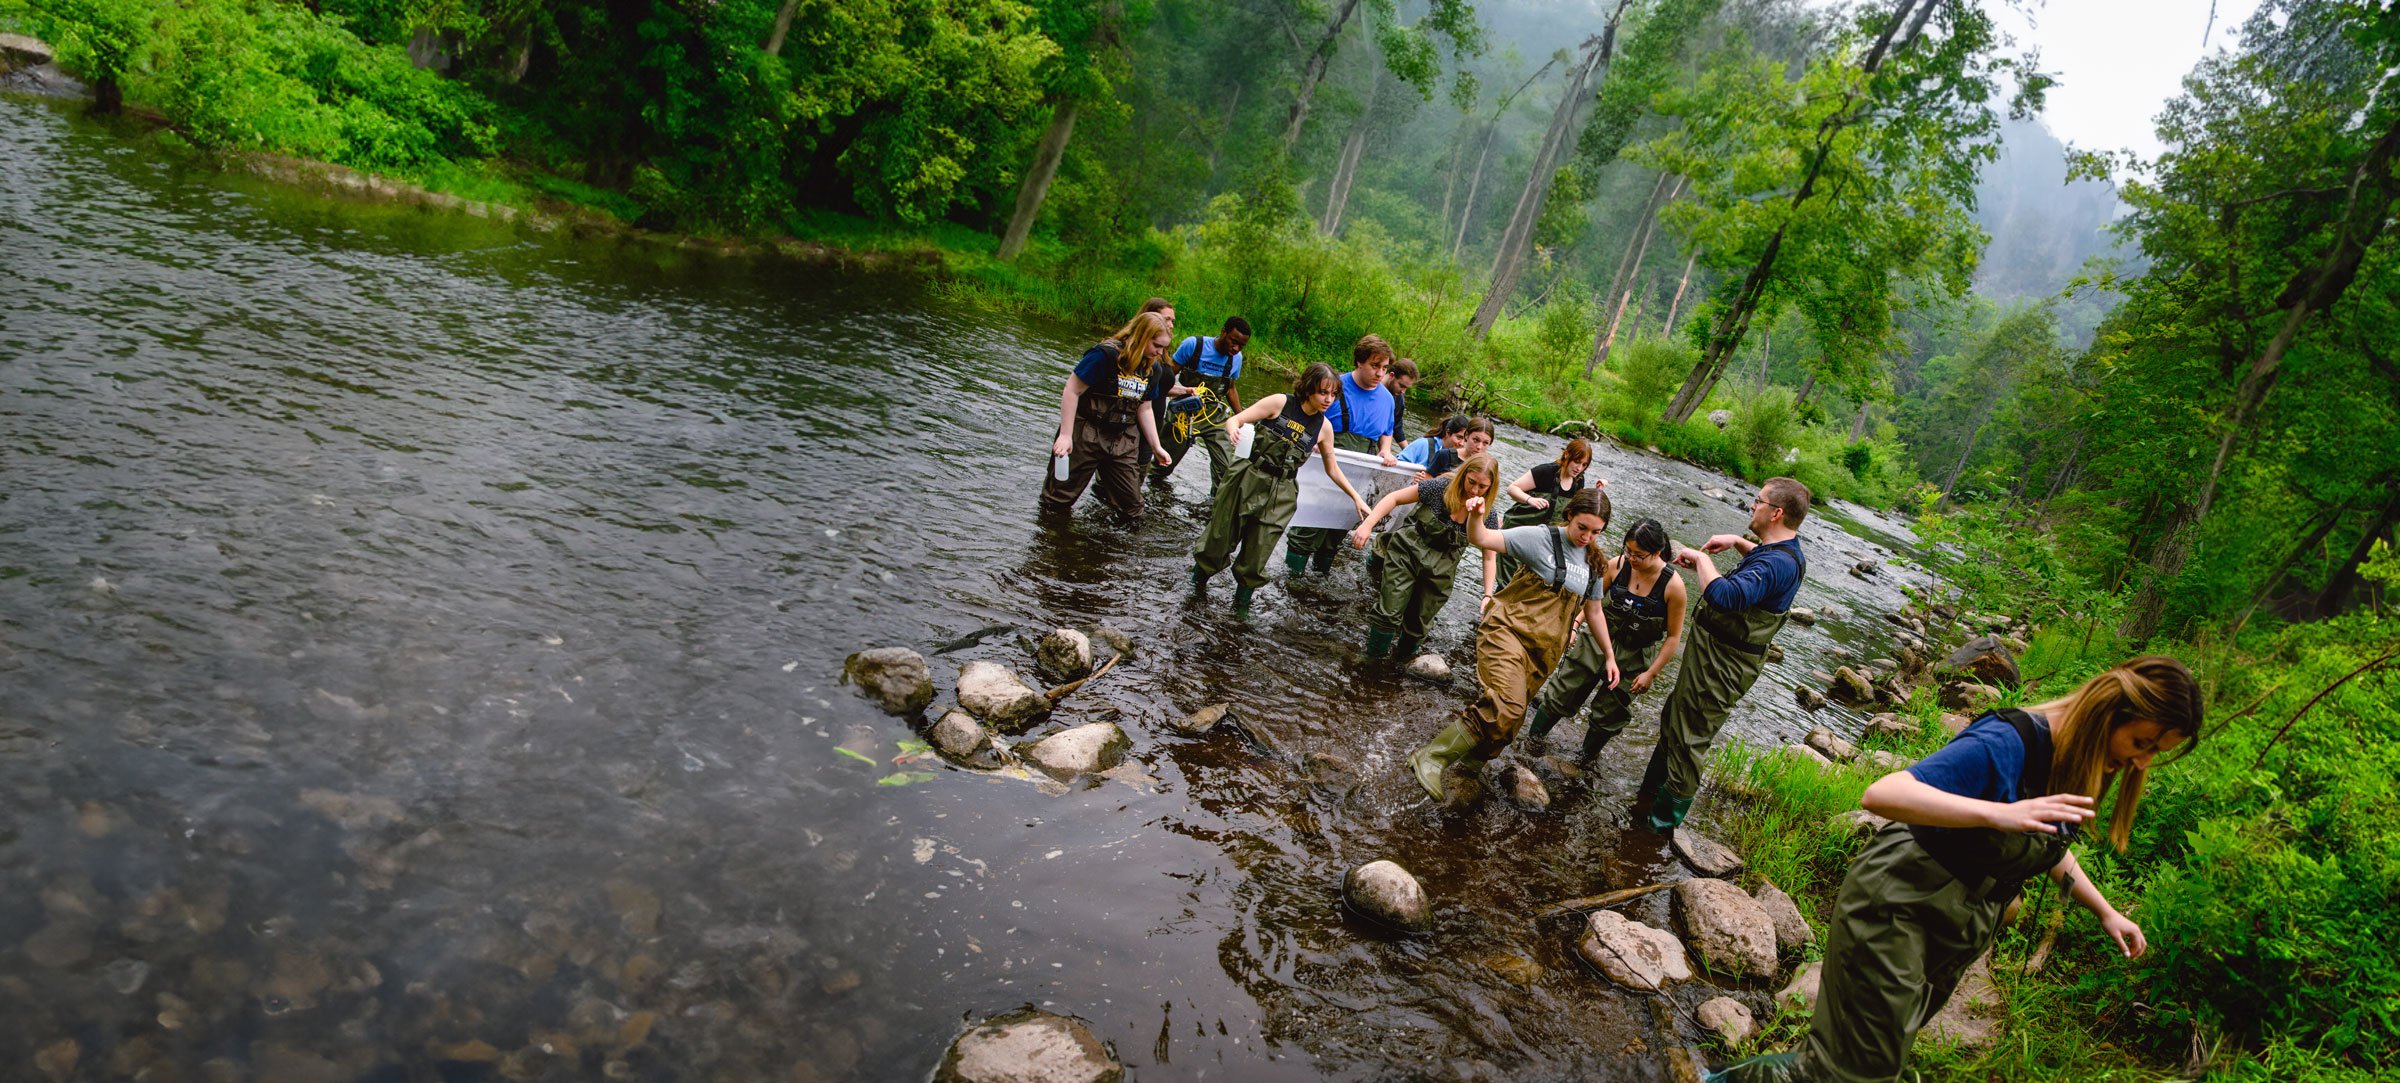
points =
(419, 655)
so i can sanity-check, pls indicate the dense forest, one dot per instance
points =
(2136, 401)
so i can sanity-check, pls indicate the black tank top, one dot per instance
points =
(1281, 443)
(1636, 620)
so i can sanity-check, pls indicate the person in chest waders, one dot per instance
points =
(1645, 605)
(1363, 418)
(1260, 494)
(1206, 391)
(1524, 632)
(1417, 561)
(1541, 494)
(1474, 438)
(1994, 808)
(1104, 421)
(1738, 616)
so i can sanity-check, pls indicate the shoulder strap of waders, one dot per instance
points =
(1558, 559)
(1952, 849)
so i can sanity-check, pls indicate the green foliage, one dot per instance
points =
(1649, 371)
(1763, 426)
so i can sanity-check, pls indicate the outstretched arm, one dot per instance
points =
(1481, 533)
(2080, 888)
(1333, 469)
(1391, 502)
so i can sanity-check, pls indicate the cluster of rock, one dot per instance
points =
(993, 701)
(1726, 932)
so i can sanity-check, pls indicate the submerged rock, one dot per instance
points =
(896, 678)
(1383, 892)
(997, 696)
(1632, 954)
(1705, 855)
(1084, 750)
(958, 736)
(1431, 667)
(1792, 934)
(1774, 652)
(1727, 1019)
(1204, 719)
(1329, 769)
(1524, 787)
(1063, 655)
(1116, 639)
(1831, 746)
(1029, 1046)
(1728, 931)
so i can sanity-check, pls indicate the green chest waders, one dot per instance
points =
(1418, 569)
(1918, 907)
(1726, 653)
(1637, 626)
(1257, 498)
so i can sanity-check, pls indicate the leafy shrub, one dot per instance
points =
(1649, 370)
(1764, 426)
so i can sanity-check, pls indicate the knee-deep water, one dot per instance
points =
(419, 657)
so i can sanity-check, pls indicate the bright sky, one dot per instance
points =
(2118, 61)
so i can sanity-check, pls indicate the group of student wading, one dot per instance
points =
(1569, 625)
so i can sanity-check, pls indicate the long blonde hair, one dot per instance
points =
(1133, 341)
(1454, 495)
(2152, 687)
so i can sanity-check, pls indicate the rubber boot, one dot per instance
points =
(1771, 1068)
(1535, 730)
(1379, 643)
(1667, 811)
(1321, 561)
(1241, 601)
(1595, 739)
(1199, 580)
(1295, 560)
(1405, 649)
(1447, 747)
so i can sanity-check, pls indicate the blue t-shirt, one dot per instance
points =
(1767, 578)
(1360, 411)
(1098, 371)
(1983, 762)
(1420, 450)
(1200, 355)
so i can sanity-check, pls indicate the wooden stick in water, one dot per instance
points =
(1596, 902)
(1062, 691)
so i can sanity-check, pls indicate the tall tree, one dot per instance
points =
(1091, 34)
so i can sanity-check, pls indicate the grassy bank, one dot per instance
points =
(2265, 867)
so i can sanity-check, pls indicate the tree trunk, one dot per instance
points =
(1345, 171)
(1629, 269)
(1681, 284)
(1509, 263)
(1734, 321)
(1466, 214)
(1974, 435)
(2374, 187)
(1225, 130)
(1806, 386)
(1766, 357)
(1858, 425)
(1037, 180)
(2336, 594)
(1458, 151)
(783, 26)
(1314, 72)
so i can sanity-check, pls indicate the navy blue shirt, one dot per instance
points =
(1098, 371)
(1983, 762)
(1200, 355)
(1767, 578)
(1368, 412)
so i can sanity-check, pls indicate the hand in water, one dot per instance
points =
(2128, 935)
(2042, 814)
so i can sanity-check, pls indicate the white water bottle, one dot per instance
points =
(1058, 467)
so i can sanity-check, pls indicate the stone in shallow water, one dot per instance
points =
(1431, 667)
(1705, 855)
(1810, 698)
(959, 737)
(1830, 745)
(1084, 750)
(1632, 954)
(1728, 1019)
(1727, 929)
(896, 678)
(1029, 1047)
(1204, 719)
(1382, 891)
(1524, 787)
(1063, 655)
(992, 693)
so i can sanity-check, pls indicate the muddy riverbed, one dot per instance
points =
(419, 646)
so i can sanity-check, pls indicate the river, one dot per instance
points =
(419, 656)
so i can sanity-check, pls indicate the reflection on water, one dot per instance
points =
(418, 659)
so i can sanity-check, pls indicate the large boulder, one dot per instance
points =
(1029, 1047)
(1383, 892)
(1987, 660)
(1705, 855)
(19, 51)
(1851, 686)
(998, 696)
(896, 678)
(1632, 954)
(1727, 1019)
(1084, 750)
(1063, 655)
(1728, 930)
(1792, 934)
(1830, 745)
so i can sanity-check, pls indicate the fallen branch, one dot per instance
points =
(2055, 921)
(1067, 689)
(2304, 708)
(1598, 902)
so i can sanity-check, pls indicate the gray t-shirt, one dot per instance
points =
(1530, 545)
